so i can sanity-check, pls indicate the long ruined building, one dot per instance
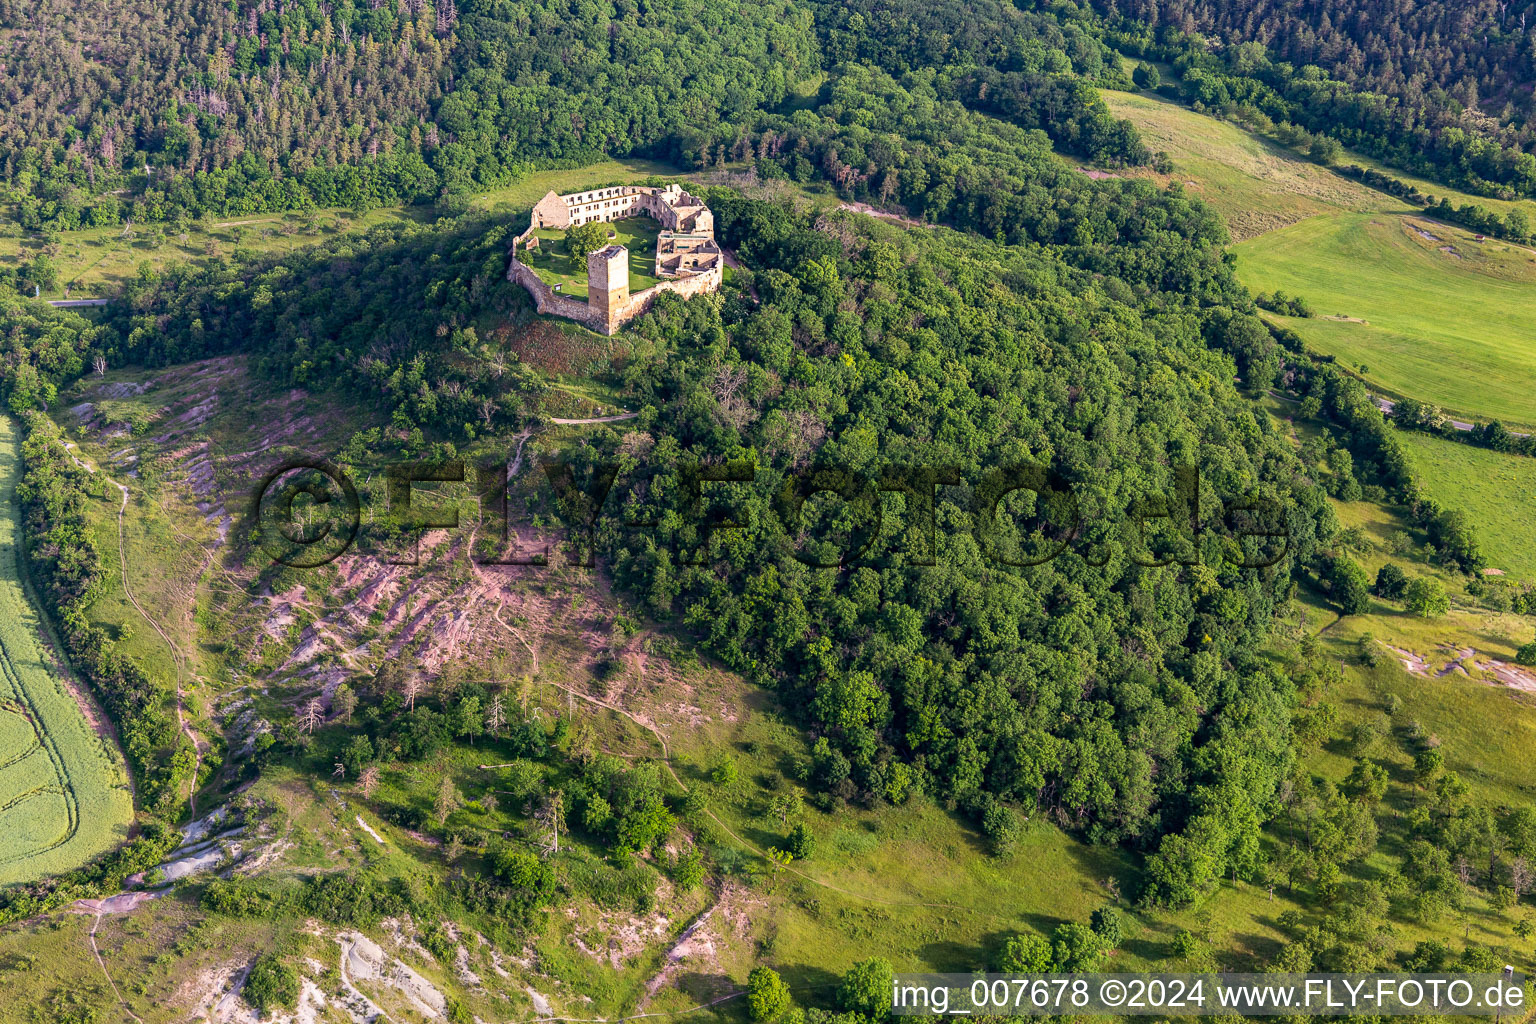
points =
(688, 259)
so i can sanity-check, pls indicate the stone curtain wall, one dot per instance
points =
(546, 301)
(685, 287)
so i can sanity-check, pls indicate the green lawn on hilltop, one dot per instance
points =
(555, 266)
(1428, 310)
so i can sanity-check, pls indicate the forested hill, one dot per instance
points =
(1094, 327)
(1478, 54)
(162, 112)
(1439, 89)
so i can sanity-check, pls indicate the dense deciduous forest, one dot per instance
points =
(157, 112)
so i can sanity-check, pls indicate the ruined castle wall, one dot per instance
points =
(685, 287)
(611, 320)
(546, 301)
(551, 212)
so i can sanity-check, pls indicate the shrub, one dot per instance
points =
(1001, 826)
(271, 985)
(802, 842)
(1391, 582)
(1109, 925)
(767, 995)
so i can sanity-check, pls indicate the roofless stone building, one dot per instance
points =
(688, 259)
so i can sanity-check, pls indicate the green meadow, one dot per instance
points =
(1417, 307)
(1426, 308)
(1496, 490)
(1255, 184)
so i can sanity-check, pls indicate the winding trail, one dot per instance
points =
(559, 421)
(96, 951)
(666, 760)
(176, 652)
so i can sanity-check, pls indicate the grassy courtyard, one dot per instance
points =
(555, 266)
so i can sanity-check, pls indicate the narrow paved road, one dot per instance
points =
(594, 419)
(1386, 405)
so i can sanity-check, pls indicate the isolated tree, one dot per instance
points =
(412, 690)
(1426, 598)
(344, 702)
(468, 720)
(1520, 877)
(1026, 954)
(1351, 586)
(1077, 947)
(1367, 782)
(866, 989)
(551, 816)
(312, 716)
(368, 781)
(767, 995)
(786, 806)
(1427, 766)
(583, 240)
(1391, 582)
(1324, 149)
(447, 801)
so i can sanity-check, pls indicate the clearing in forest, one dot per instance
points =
(64, 796)
(1254, 184)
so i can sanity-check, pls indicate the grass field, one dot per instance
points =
(1445, 317)
(63, 794)
(555, 266)
(1255, 184)
(1496, 490)
(1258, 185)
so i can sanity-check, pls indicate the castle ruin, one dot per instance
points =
(689, 261)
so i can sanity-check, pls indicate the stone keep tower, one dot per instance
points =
(608, 285)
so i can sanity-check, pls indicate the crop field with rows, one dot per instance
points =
(64, 797)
